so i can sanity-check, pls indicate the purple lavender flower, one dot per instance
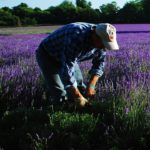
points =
(126, 70)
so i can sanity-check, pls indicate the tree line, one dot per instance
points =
(137, 11)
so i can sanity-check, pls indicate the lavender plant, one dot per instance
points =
(126, 70)
(119, 118)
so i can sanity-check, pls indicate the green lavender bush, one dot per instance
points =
(111, 124)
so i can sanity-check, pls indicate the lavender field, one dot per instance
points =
(127, 76)
(127, 70)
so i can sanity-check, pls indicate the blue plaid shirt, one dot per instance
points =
(70, 44)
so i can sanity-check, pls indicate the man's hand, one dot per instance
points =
(81, 101)
(78, 97)
(90, 92)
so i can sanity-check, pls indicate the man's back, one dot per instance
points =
(71, 37)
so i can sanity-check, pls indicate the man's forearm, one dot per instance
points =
(91, 86)
(93, 81)
(75, 92)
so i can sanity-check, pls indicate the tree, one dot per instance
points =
(146, 9)
(7, 19)
(109, 11)
(41, 16)
(66, 4)
(131, 12)
(36, 9)
(25, 14)
(21, 10)
(88, 15)
(7, 9)
(135, 11)
(63, 13)
(83, 4)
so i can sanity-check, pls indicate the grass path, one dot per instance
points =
(27, 30)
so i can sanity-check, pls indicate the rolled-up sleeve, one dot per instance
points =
(98, 63)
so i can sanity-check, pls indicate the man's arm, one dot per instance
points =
(71, 49)
(96, 72)
(91, 86)
(71, 43)
(72, 86)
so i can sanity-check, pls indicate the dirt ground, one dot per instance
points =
(27, 30)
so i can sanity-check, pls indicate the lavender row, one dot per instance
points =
(20, 78)
(133, 27)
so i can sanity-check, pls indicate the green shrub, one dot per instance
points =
(105, 125)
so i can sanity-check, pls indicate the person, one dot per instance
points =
(60, 53)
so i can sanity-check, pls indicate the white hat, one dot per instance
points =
(107, 33)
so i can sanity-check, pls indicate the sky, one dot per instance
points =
(44, 4)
